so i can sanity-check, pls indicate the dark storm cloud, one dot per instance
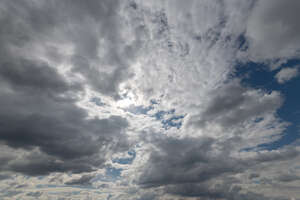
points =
(38, 110)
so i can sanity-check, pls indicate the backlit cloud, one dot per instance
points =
(149, 100)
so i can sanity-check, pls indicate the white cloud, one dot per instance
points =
(286, 74)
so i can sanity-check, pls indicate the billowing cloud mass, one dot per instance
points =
(149, 100)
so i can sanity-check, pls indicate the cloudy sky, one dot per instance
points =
(150, 100)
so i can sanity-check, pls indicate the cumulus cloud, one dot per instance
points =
(286, 74)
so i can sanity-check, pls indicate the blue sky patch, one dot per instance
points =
(127, 160)
(258, 75)
(169, 118)
(113, 173)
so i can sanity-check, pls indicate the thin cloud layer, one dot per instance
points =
(151, 100)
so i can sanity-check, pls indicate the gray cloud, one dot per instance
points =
(185, 161)
(37, 115)
(83, 180)
(288, 177)
(202, 167)
(148, 196)
(84, 27)
(75, 141)
(4, 176)
(233, 104)
(34, 194)
(9, 193)
(38, 106)
(254, 175)
(219, 191)
(273, 31)
(41, 164)
(39, 77)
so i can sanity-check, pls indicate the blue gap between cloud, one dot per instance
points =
(257, 75)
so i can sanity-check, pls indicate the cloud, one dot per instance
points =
(187, 163)
(10, 193)
(233, 104)
(4, 176)
(39, 111)
(34, 194)
(286, 74)
(273, 31)
(80, 29)
(83, 180)
(143, 99)
(148, 196)
(39, 77)
(288, 177)
(204, 167)
(219, 192)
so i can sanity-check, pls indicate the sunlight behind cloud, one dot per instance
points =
(149, 100)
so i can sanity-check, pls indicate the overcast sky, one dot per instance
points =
(149, 99)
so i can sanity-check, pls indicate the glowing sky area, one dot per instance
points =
(149, 99)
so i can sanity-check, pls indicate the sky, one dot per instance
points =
(150, 100)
